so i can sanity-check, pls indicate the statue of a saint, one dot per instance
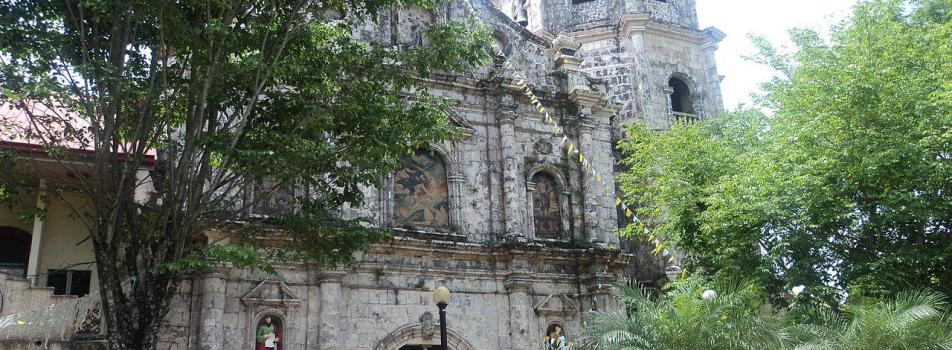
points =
(556, 340)
(268, 336)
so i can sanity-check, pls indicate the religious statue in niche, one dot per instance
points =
(268, 334)
(555, 339)
(420, 191)
(546, 215)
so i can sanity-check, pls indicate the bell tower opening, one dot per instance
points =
(680, 97)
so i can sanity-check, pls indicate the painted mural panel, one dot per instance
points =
(421, 195)
(546, 213)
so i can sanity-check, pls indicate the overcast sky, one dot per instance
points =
(769, 18)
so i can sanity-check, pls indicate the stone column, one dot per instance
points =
(212, 332)
(520, 307)
(455, 184)
(36, 241)
(530, 210)
(564, 201)
(590, 189)
(601, 287)
(511, 176)
(712, 36)
(332, 299)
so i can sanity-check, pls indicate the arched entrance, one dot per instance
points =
(413, 337)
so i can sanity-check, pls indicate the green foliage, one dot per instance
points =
(912, 320)
(736, 318)
(231, 94)
(843, 189)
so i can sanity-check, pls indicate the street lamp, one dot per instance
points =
(441, 295)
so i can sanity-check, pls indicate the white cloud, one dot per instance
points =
(768, 18)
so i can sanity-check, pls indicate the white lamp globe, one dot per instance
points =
(709, 294)
(441, 295)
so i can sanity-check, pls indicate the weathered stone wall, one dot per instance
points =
(504, 296)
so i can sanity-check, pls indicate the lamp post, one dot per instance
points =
(441, 295)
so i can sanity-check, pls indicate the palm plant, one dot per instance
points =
(912, 320)
(738, 318)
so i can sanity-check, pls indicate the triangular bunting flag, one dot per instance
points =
(571, 147)
(617, 201)
(628, 213)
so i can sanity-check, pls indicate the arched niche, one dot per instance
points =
(550, 173)
(450, 176)
(270, 298)
(278, 318)
(414, 334)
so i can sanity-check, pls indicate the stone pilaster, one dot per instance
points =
(212, 333)
(511, 177)
(590, 188)
(518, 285)
(634, 28)
(712, 36)
(530, 210)
(332, 298)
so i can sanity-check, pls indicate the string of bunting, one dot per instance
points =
(571, 147)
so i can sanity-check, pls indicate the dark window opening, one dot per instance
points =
(69, 282)
(680, 97)
(421, 347)
(580, 1)
(14, 249)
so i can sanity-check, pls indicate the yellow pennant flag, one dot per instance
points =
(617, 201)
(598, 178)
(558, 130)
(628, 213)
(581, 157)
(548, 119)
(658, 248)
(571, 147)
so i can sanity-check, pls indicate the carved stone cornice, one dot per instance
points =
(331, 276)
(518, 281)
(506, 116)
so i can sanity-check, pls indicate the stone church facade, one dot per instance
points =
(502, 216)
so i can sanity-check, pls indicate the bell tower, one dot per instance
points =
(651, 54)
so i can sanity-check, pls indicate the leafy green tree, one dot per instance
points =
(911, 320)
(685, 318)
(842, 187)
(230, 94)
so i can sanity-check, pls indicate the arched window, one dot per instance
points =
(546, 211)
(420, 192)
(14, 248)
(680, 96)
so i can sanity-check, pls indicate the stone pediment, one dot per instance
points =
(274, 293)
(461, 123)
(556, 305)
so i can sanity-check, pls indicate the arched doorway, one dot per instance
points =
(414, 337)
